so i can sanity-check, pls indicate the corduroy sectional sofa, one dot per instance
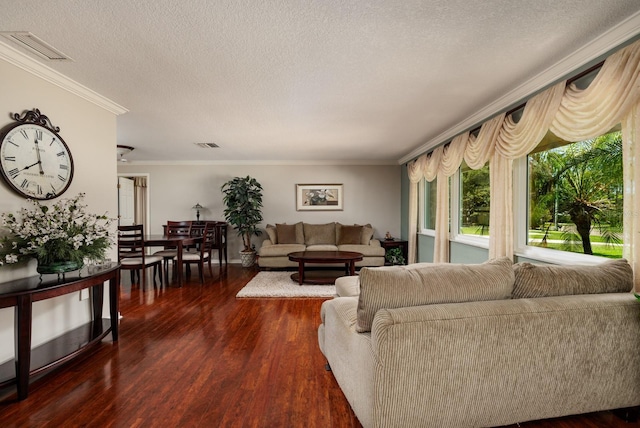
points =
(449, 345)
(289, 238)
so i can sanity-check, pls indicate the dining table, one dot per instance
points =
(173, 241)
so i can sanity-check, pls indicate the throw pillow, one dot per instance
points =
(613, 276)
(318, 234)
(299, 233)
(396, 287)
(286, 233)
(350, 235)
(272, 233)
(367, 234)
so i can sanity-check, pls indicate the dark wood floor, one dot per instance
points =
(198, 357)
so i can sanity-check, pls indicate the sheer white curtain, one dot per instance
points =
(140, 196)
(450, 161)
(415, 172)
(631, 219)
(513, 141)
(570, 113)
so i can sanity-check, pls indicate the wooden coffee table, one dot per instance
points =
(349, 258)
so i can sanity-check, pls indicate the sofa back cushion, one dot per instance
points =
(272, 232)
(367, 233)
(290, 233)
(613, 276)
(403, 286)
(348, 235)
(317, 234)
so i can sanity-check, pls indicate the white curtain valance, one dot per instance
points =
(571, 114)
(587, 113)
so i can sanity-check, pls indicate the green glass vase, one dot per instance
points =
(57, 267)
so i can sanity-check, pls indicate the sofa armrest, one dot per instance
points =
(374, 243)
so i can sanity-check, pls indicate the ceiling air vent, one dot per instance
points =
(207, 145)
(30, 42)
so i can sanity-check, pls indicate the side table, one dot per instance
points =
(388, 244)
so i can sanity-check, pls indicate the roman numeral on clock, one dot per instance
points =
(10, 158)
(14, 172)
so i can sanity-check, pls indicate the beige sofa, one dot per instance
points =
(446, 345)
(288, 238)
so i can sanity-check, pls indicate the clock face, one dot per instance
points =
(35, 161)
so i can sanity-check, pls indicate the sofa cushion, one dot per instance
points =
(280, 250)
(367, 234)
(286, 233)
(349, 235)
(322, 247)
(365, 250)
(613, 276)
(348, 286)
(272, 233)
(315, 234)
(395, 287)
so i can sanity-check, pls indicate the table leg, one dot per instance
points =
(114, 296)
(300, 273)
(179, 262)
(97, 299)
(23, 345)
(352, 268)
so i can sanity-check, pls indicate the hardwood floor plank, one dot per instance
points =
(196, 356)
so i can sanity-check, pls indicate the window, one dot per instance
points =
(474, 201)
(430, 196)
(575, 196)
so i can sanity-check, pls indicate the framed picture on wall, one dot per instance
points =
(319, 197)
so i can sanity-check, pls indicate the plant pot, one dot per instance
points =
(57, 267)
(248, 258)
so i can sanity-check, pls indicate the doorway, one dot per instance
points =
(133, 199)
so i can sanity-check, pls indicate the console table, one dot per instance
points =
(21, 294)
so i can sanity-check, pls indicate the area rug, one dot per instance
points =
(279, 284)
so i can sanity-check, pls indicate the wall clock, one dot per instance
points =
(34, 160)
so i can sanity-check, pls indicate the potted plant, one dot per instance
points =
(243, 201)
(394, 256)
(61, 236)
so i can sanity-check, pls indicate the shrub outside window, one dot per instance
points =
(474, 201)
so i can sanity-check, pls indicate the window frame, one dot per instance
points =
(422, 209)
(454, 214)
(521, 225)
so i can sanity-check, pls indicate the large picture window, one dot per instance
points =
(474, 201)
(576, 196)
(430, 199)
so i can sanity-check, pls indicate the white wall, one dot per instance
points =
(371, 194)
(90, 133)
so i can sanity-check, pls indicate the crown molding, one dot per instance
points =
(21, 60)
(591, 53)
(263, 163)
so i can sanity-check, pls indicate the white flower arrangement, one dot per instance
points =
(55, 233)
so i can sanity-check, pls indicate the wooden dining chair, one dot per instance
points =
(220, 243)
(131, 253)
(174, 228)
(204, 253)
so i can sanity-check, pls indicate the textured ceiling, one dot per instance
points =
(322, 80)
